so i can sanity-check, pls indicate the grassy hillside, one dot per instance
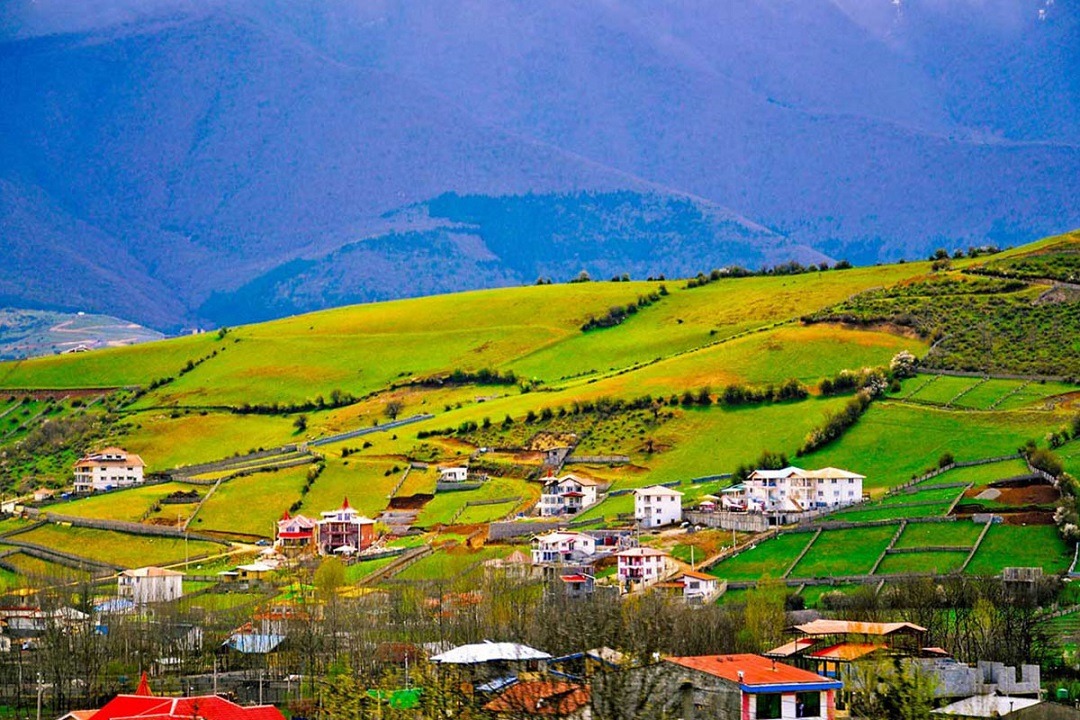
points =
(514, 371)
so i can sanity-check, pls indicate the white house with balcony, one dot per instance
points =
(107, 469)
(562, 548)
(657, 506)
(793, 489)
(641, 566)
(567, 495)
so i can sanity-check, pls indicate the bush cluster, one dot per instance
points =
(619, 313)
(836, 423)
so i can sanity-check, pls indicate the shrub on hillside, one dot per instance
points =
(837, 422)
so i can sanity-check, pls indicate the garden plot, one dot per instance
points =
(1020, 546)
(944, 389)
(945, 534)
(770, 559)
(981, 474)
(920, 563)
(838, 553)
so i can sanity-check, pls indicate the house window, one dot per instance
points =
(768, 706)
(808, 704)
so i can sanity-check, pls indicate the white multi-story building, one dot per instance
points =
(567, 495)
(562, 548)
(641, 565)
(796, 490)
(107, 469)
(657, 506)
(150, 585)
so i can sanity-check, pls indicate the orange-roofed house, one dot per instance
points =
(107, 469)
(542, 698)
(748, 687)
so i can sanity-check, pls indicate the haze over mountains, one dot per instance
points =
(207, 162)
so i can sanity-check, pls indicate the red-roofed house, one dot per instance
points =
(542, 699)
(749, 687)
(295, 535)
(345, 531)
(145, 706)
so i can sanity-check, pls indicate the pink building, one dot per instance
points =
(345, 531)
(641, 565)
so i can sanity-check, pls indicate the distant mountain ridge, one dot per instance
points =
(193, 163)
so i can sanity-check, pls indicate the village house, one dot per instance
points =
(542, 698)
(344, 531)
(295, 535)
(744, 687)
(493, 666)
(515, 565)
(793, 490)
(562, 548)
(694, 587)
(657, 506)
(453, 474)
(640, 567)
(144, 704)
(567, 495)
(107, 469)
(150, 585)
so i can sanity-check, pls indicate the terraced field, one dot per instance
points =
(949, 534)
(838, 553)
(1020, 546)
(769, 559)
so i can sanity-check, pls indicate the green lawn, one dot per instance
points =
(365, 482)
(166, 442)
(118, 548)
(962, 533)
(944, 389)
(844, 552)
(938, 563)
(937, 495)
(769, 559)
(1021, 546)
(877, 512)
(881, 447)
(359, 570)
(989, 392)
(129, 504)
(486, 513)
(982, 474)
(33, 571)
(448, 564)
(444, 506)
(251, 504)
(1036, 393)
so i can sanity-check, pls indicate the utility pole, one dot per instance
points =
(40, 690)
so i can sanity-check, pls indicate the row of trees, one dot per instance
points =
(336, 639)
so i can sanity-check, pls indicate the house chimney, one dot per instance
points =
(774, 664)
(741, 676)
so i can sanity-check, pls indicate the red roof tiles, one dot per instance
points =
(550, 699)
(756, 670)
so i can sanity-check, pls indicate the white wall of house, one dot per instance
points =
(150, 589)
(657, 506)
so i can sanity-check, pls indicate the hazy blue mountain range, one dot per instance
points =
(181, 163)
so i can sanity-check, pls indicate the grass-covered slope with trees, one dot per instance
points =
(702, 378)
